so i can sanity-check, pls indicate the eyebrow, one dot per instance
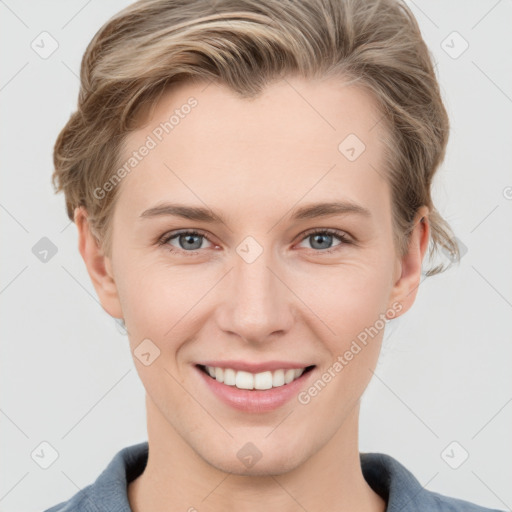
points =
(309, 211)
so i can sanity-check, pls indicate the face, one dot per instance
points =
(251, 284)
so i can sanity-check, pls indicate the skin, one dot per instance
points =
(253, 162)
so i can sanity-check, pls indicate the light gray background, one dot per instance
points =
(444, 375)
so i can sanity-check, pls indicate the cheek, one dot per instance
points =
(162, 302)
(353, 306)
(350, 300)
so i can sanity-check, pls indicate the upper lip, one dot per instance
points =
(255, 367)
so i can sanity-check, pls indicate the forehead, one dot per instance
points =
(298, 137)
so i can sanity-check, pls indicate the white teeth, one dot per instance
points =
(298, 372)
(278, 378)
(244, 380)
(247, 380)
(229, 377)
(263, 380)
(289, 375)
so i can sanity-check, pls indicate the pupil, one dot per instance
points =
(326, 236)
(190, 240)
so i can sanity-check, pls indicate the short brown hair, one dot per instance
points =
(245, 44)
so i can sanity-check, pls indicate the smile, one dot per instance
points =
(254, 381)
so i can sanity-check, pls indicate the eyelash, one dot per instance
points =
(165, 239)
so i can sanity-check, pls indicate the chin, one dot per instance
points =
(272, 464)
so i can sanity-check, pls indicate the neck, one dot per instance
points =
(176, 478)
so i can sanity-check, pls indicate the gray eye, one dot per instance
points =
(321, 240)
(187, 241)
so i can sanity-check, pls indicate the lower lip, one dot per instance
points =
(255, 400)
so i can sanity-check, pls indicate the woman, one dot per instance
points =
(251, 183)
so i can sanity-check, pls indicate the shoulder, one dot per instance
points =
(80, 502)
(109, 490)
(449, 504)
(402, 491)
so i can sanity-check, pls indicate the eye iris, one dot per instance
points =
(321, 236)
(187, 237)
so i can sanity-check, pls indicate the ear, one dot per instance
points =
(98, 265)
(408, 271)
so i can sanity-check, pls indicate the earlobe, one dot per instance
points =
(98, 265)
(406, 286)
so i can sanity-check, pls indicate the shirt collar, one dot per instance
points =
(385, 475)
(395, 483)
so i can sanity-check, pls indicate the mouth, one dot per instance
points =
(270, 388)
(255, 382)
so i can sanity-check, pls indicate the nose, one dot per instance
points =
(258, 305)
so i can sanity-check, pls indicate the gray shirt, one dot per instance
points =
(385, 475)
